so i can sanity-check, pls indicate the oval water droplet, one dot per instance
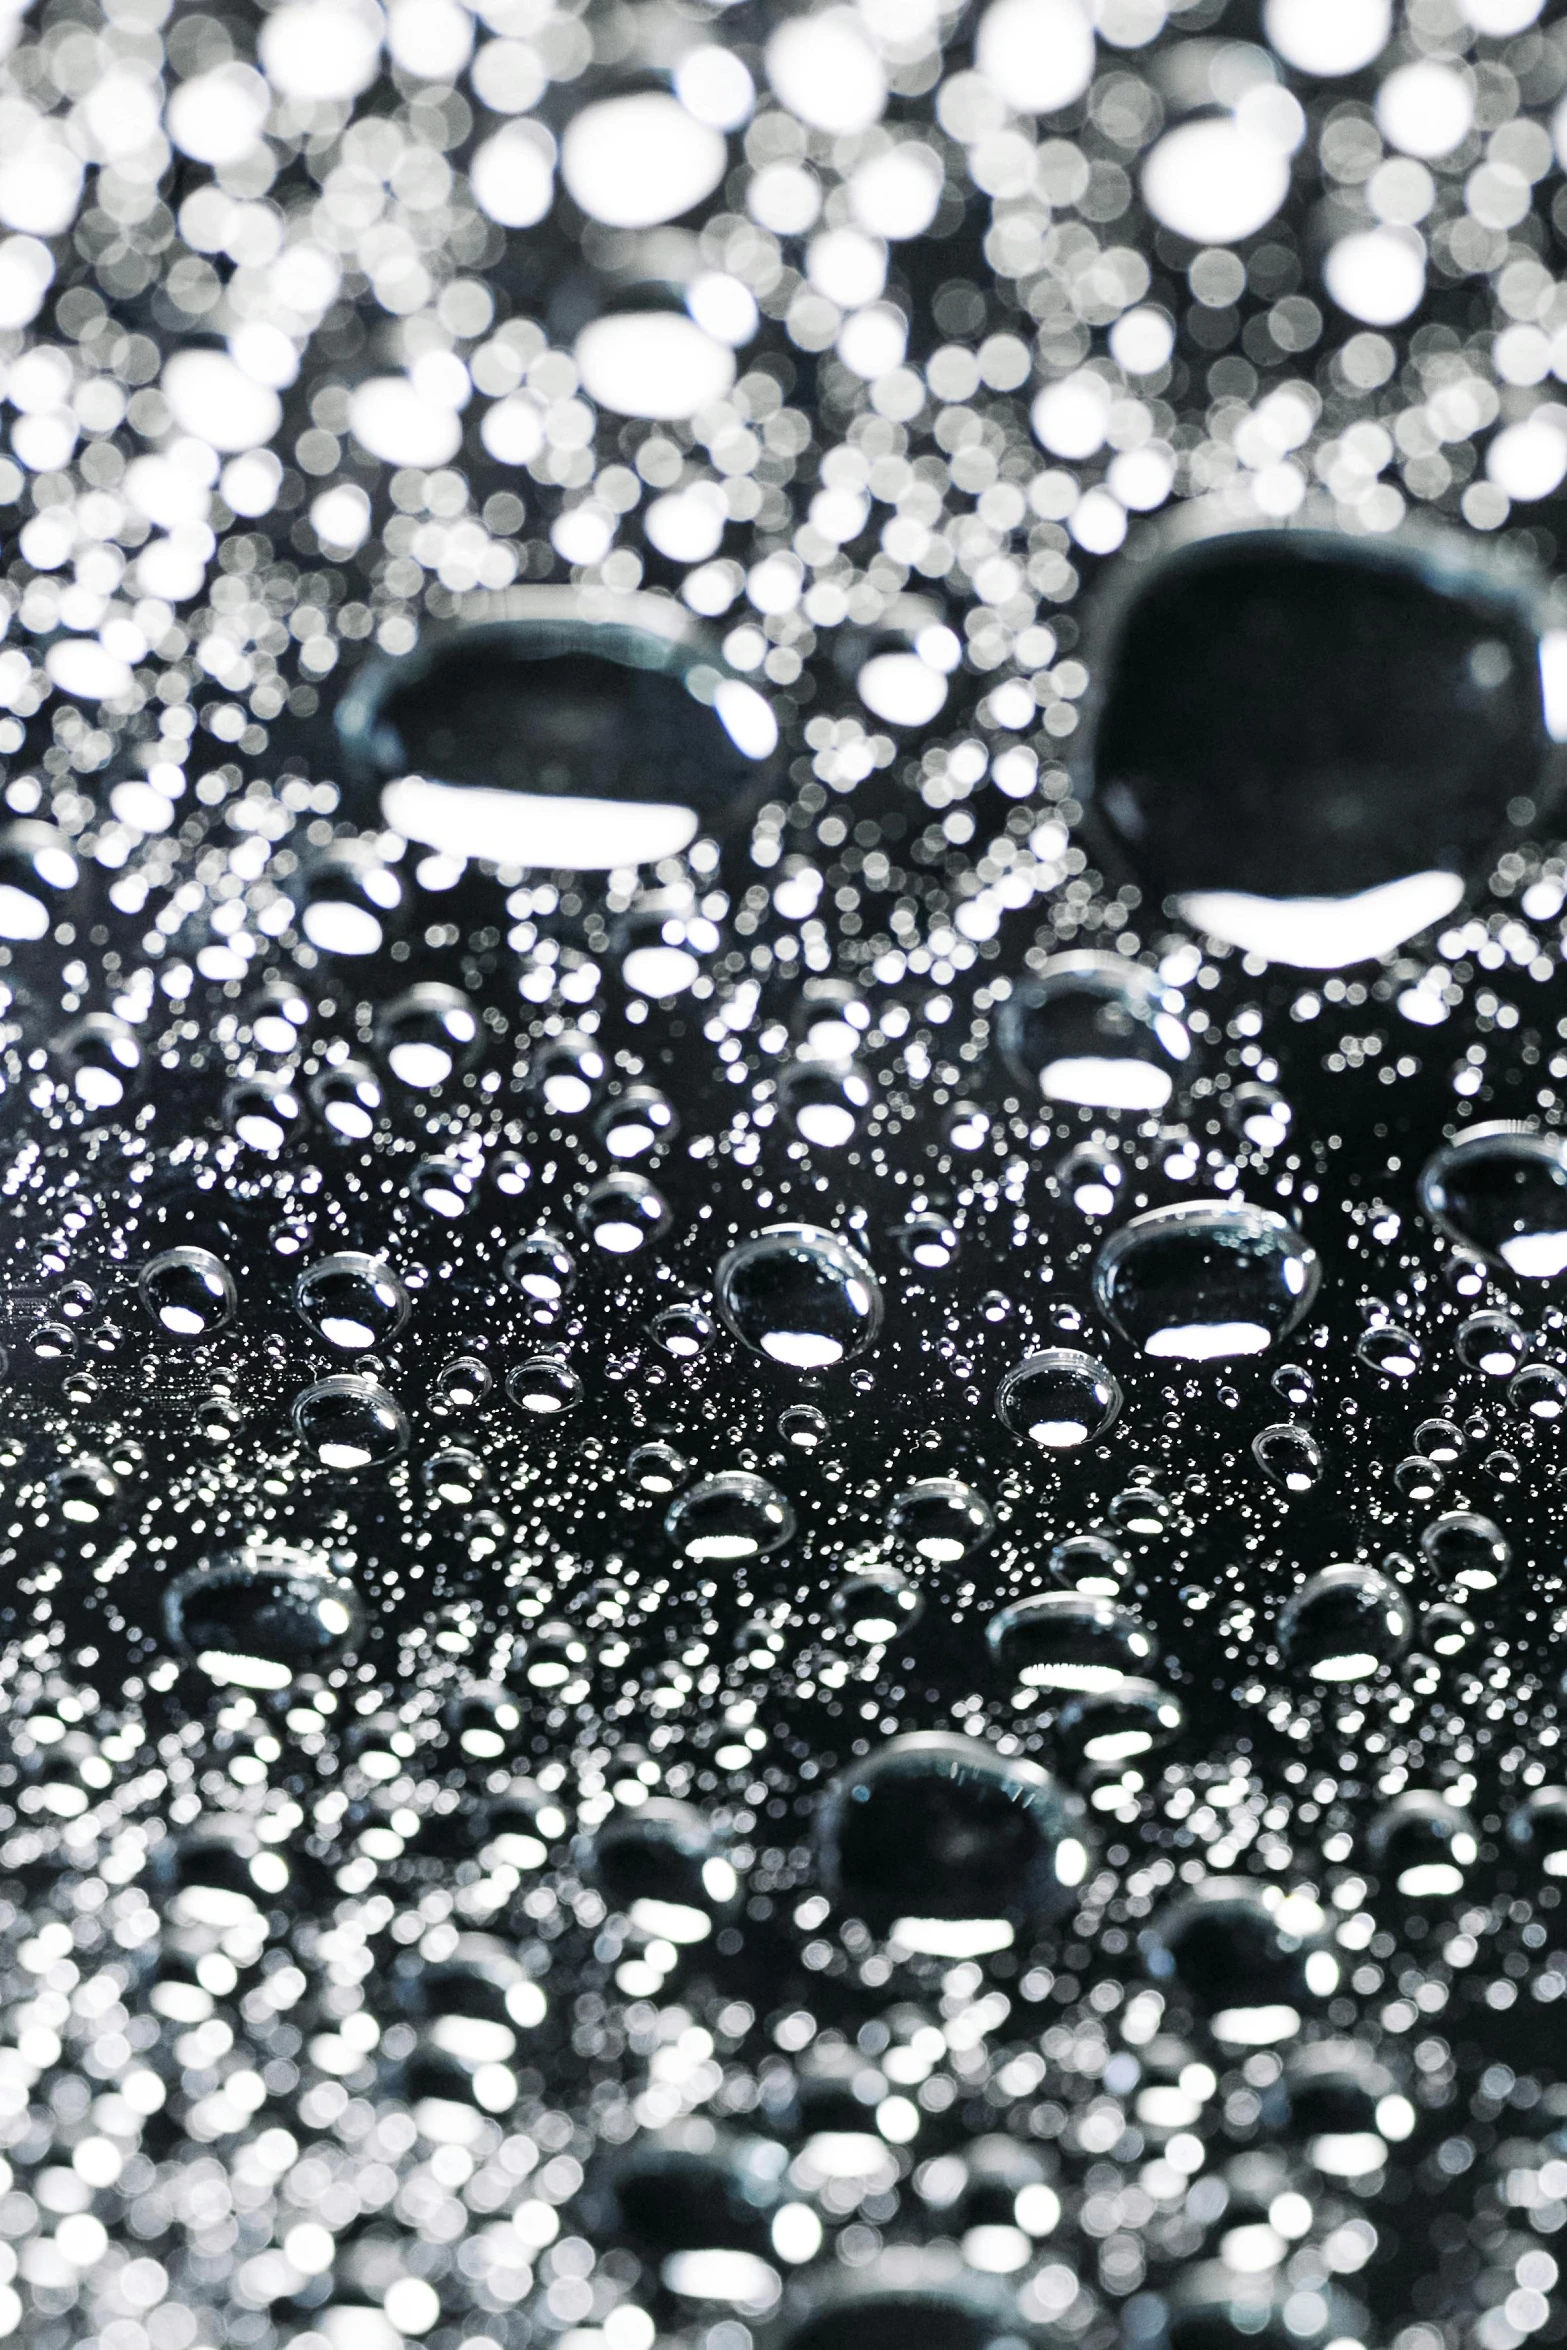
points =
(445, 1187)
(622, 1214)
(1347, 1623)
(1105, 1729)
(1089, 1562)
(544, 1387)
(1390, 1350)
(729, 1518)
(1467, 1549)
(1091, 1178)
(1418, 1479)
(189, 1291)
(454, 1478)
(1205, 1281)
(1098, 1031)
(427, 1035)
(636, 1124)
(1423, 1846)
(1447, 1631)
(936, 1833)
(1537, 1831)
(566, 1073)
(353, 1301)
(875, 1604)
(940, 1519)
(825, 1104)
(543, 1268)
(1260, 1115)
(1061, 1640)
(1502, 1192)
(256, 1620)
(928, 1242)
(1059, 1400)
(1492, 1343)
(84, 1492)
(803, 1426)
(462, 1384)
(1539, 1392)
(349, 1423)
(1250, 1956)
(1294, 1386)
(1290, 1457)
(682, 1331)
(657, 1470)
(800, 1296)
(347, 1100)
(263, 1112)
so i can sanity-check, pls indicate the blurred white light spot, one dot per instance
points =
(632, 162)
(340, 518)
(513, 430)
(1141, 341)
(785, 197)
(902, 688)
(1098, 522)
(1553, 692)
(264, 353)
(897, 194)
(513, 174)
(217, 401)
(79, 665)
(217, 117)
(847, 266)
(1325, 934)
(1328, 37)
(1378, 274)
(713, 85)
(652, 363)
(388, 418)
(688, 525)
(412, 2305)
(1529, 460)
(322, 48)
(1425, 109)
(1039, 54)
(1072, 417)
(746, 717)
(952, 1937)
(528, 829)
(509, 76)
(250, 483)
(433, 38)
(872, 341)
(723, 307)
(1499, 18)
(40, 178)
(26, 274)
(1215, 180)
(718, 2275)
(826, 72)
(1142, 478)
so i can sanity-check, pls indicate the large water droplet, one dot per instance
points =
(1060, 1640)
(1096, 1030)
(660, 1863)
(1249, 1955)
(355, 1302)
(1206, 1280)
(826, 1104)
(427, 1035)
(636, 1124)
(100, 1059)
(951, 1845)
(1423, 1846)
(1094, 1563)
(1103, 1729)
(1467, 1549)
(189, 1290)
(1492, 1343)
(875, 1604)
(544, 1387)
(1539, 1392)
(350, 1423)
(800, 1296)
(254, 1621)
(622, 1214)
(347, 1100)
(1347, 1623)
(1502, 1192)
(940, 1519)
(1059, 1399)
(1289, 1456)
(263, 1111)
(1537, 1831)
(729, 1518)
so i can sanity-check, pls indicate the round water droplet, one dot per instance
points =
(555, 1658)
(1347, 1623)
(1447, 1631)
(1091, 1178)
(1059, 1399)
(1502, 1192)
(453, 1478)
(622, 1214)
(84, 1492)
(347, 896)
(1249, 1955)
(263, 1112)
(1290, 1457)
(1492, 1343)
(1206, 1280)
(462, 1384)
(941, 1520)
(1060, 1640)
(681, 1331)
(277, 1013)
(928, 1242)
(1294, 1386)
(1537, 1831)
(255, 1621)
(482, 1724)
(689, 2204)
(189, 1291)
(1440, 1441)
(353, 1301)
(1422, 1846)
(1390, 1350)
(292, 1236)
(49, 1344)
(800, 1296)
(1089, 1562)
(937, 1831)
(347, 1100)
(1260, 1115)
(544, 1387)
(100, 1060)
(349, 1423)
(1418, 1479)
(1102, 1730)
(1143, 1512)
(875, 1604)
(427, 1035)
(803, 1426)
(825, 1104)
(728, 1519)
(657, 1470)
(1467, 1550)
(967, 1127)
(566, 1073)
(1096, 1030)
(1539, 1392)
(636, 1124)
(543, 1268)
(657, 1853)
(1502, 1468)
(444, 1187)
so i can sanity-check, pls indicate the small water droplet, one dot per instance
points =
(189, 1291)
(1492, 1343)
(928, 1242)
(1058, 1640)
(803, 1426)
(1106, 1729)
(462, 1384)
(622, 1214)
(940, 1519)
(636, 1124)
(1503, 1193)
(1091, 1178)
(1289, 1456)
(347, 1100)
(1098, 1031)
(682, 1331)
(875, 1604)
(353, 1301)
(1059, 1399)
(1391, 1350)
(657, 1470)
(1093, 1563)
(443, 1187)
(543, 1268)
(1467, 1549)
(1539, 1392)
(544, 1387)
(427, 1035)
(1347, 1623)
(1423, 1846)
(729, 1518)
(349, 1423)
(255, 1621)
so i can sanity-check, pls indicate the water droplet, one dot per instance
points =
(941, 1520)
(1060, 1640)
(1260, 1115)
(622, 1214)
(100, 1058)
(928, 1242)
(1440, 1441)
(543, 1268)
(544, 1387)
(443, 1187)
(656, 1469)
(729, 1518)
(658, 1853)
(427, 1035)
(681, 1331)
(1104, 1729)
(1539, 1392)
(1447, 1630)
(1059, 1399)
(1347, 1623)
(826, 1105)
(1467, 1549)
(1423, 1846)
(1091, 1178)
(189, 1291)
(1294, 1386)
(349, 1423)
(1289, 1456)
(967, 1127)
(1503, 1193)
(347, 1100)
(636, 1124)
(800, 1296)
(1492, 1343)
(938, 1831)
(276, 1014)
(1206, 1280)
(84, 1492)
(1089, 1562)
(453, 1477)
(1419, 1479)
(462, 1384)
(1391, 1350)
(355, 1302)
(1537, 1831)
(482, 1724)
(1245, 1953)
(566, 1073)
(292, 1236)
(346, 897)
(1098, 1031)
(555, 1658)
(37, 870)
(803, 1426)
(254, 1621)
(875, 1604)
(1143, 1512)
